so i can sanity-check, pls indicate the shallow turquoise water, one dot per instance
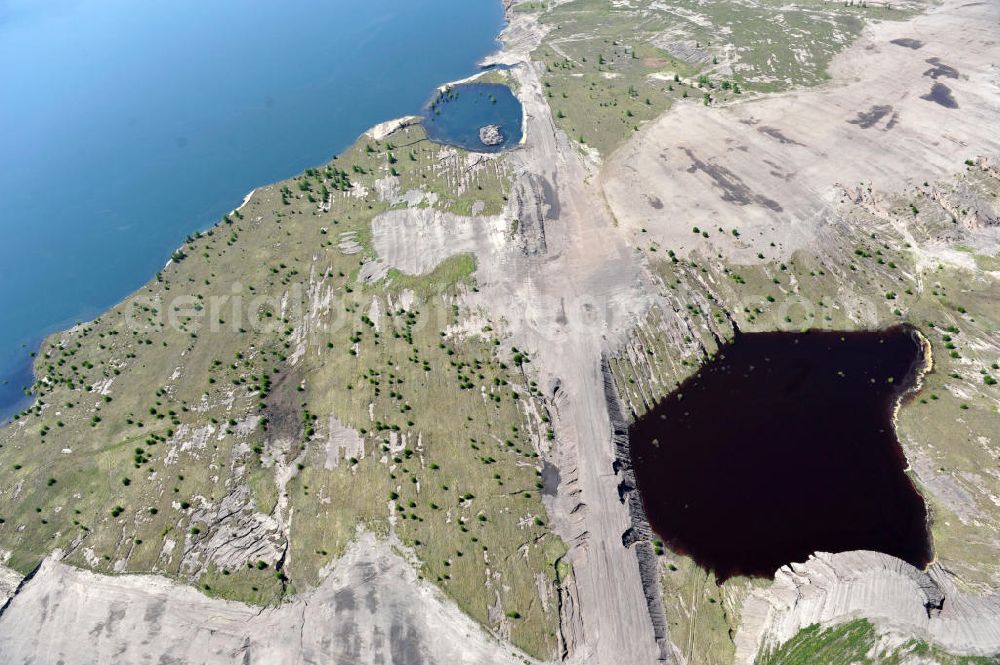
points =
(126, 125)
(455, 117)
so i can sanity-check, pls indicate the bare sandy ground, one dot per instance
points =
(371, 609)
(909, 103)
(568, 294)
(891, 593)
(416, 240)
(561, 303)
(562, 300)
(770, 167)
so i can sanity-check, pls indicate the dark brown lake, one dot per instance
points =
(781, 446)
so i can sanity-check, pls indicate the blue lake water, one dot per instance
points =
(456, 115)
(126, 125)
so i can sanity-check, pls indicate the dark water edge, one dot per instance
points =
(12, 396)
(782, 446)
(455, 115)
(18, 377)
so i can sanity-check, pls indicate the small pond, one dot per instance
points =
(781, 446)
(457, 115)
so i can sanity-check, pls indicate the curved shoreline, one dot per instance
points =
(26, 365)
(923, 366)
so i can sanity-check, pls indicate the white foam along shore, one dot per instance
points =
(246, 200)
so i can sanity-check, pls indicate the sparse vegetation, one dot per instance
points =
(171, 403)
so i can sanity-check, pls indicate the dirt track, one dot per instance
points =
(767, 166)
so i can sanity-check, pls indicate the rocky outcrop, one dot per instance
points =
(900, 600)
(490, 135)
(966, 205)
(237, 534)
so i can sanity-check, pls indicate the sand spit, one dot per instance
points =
(380, 131)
